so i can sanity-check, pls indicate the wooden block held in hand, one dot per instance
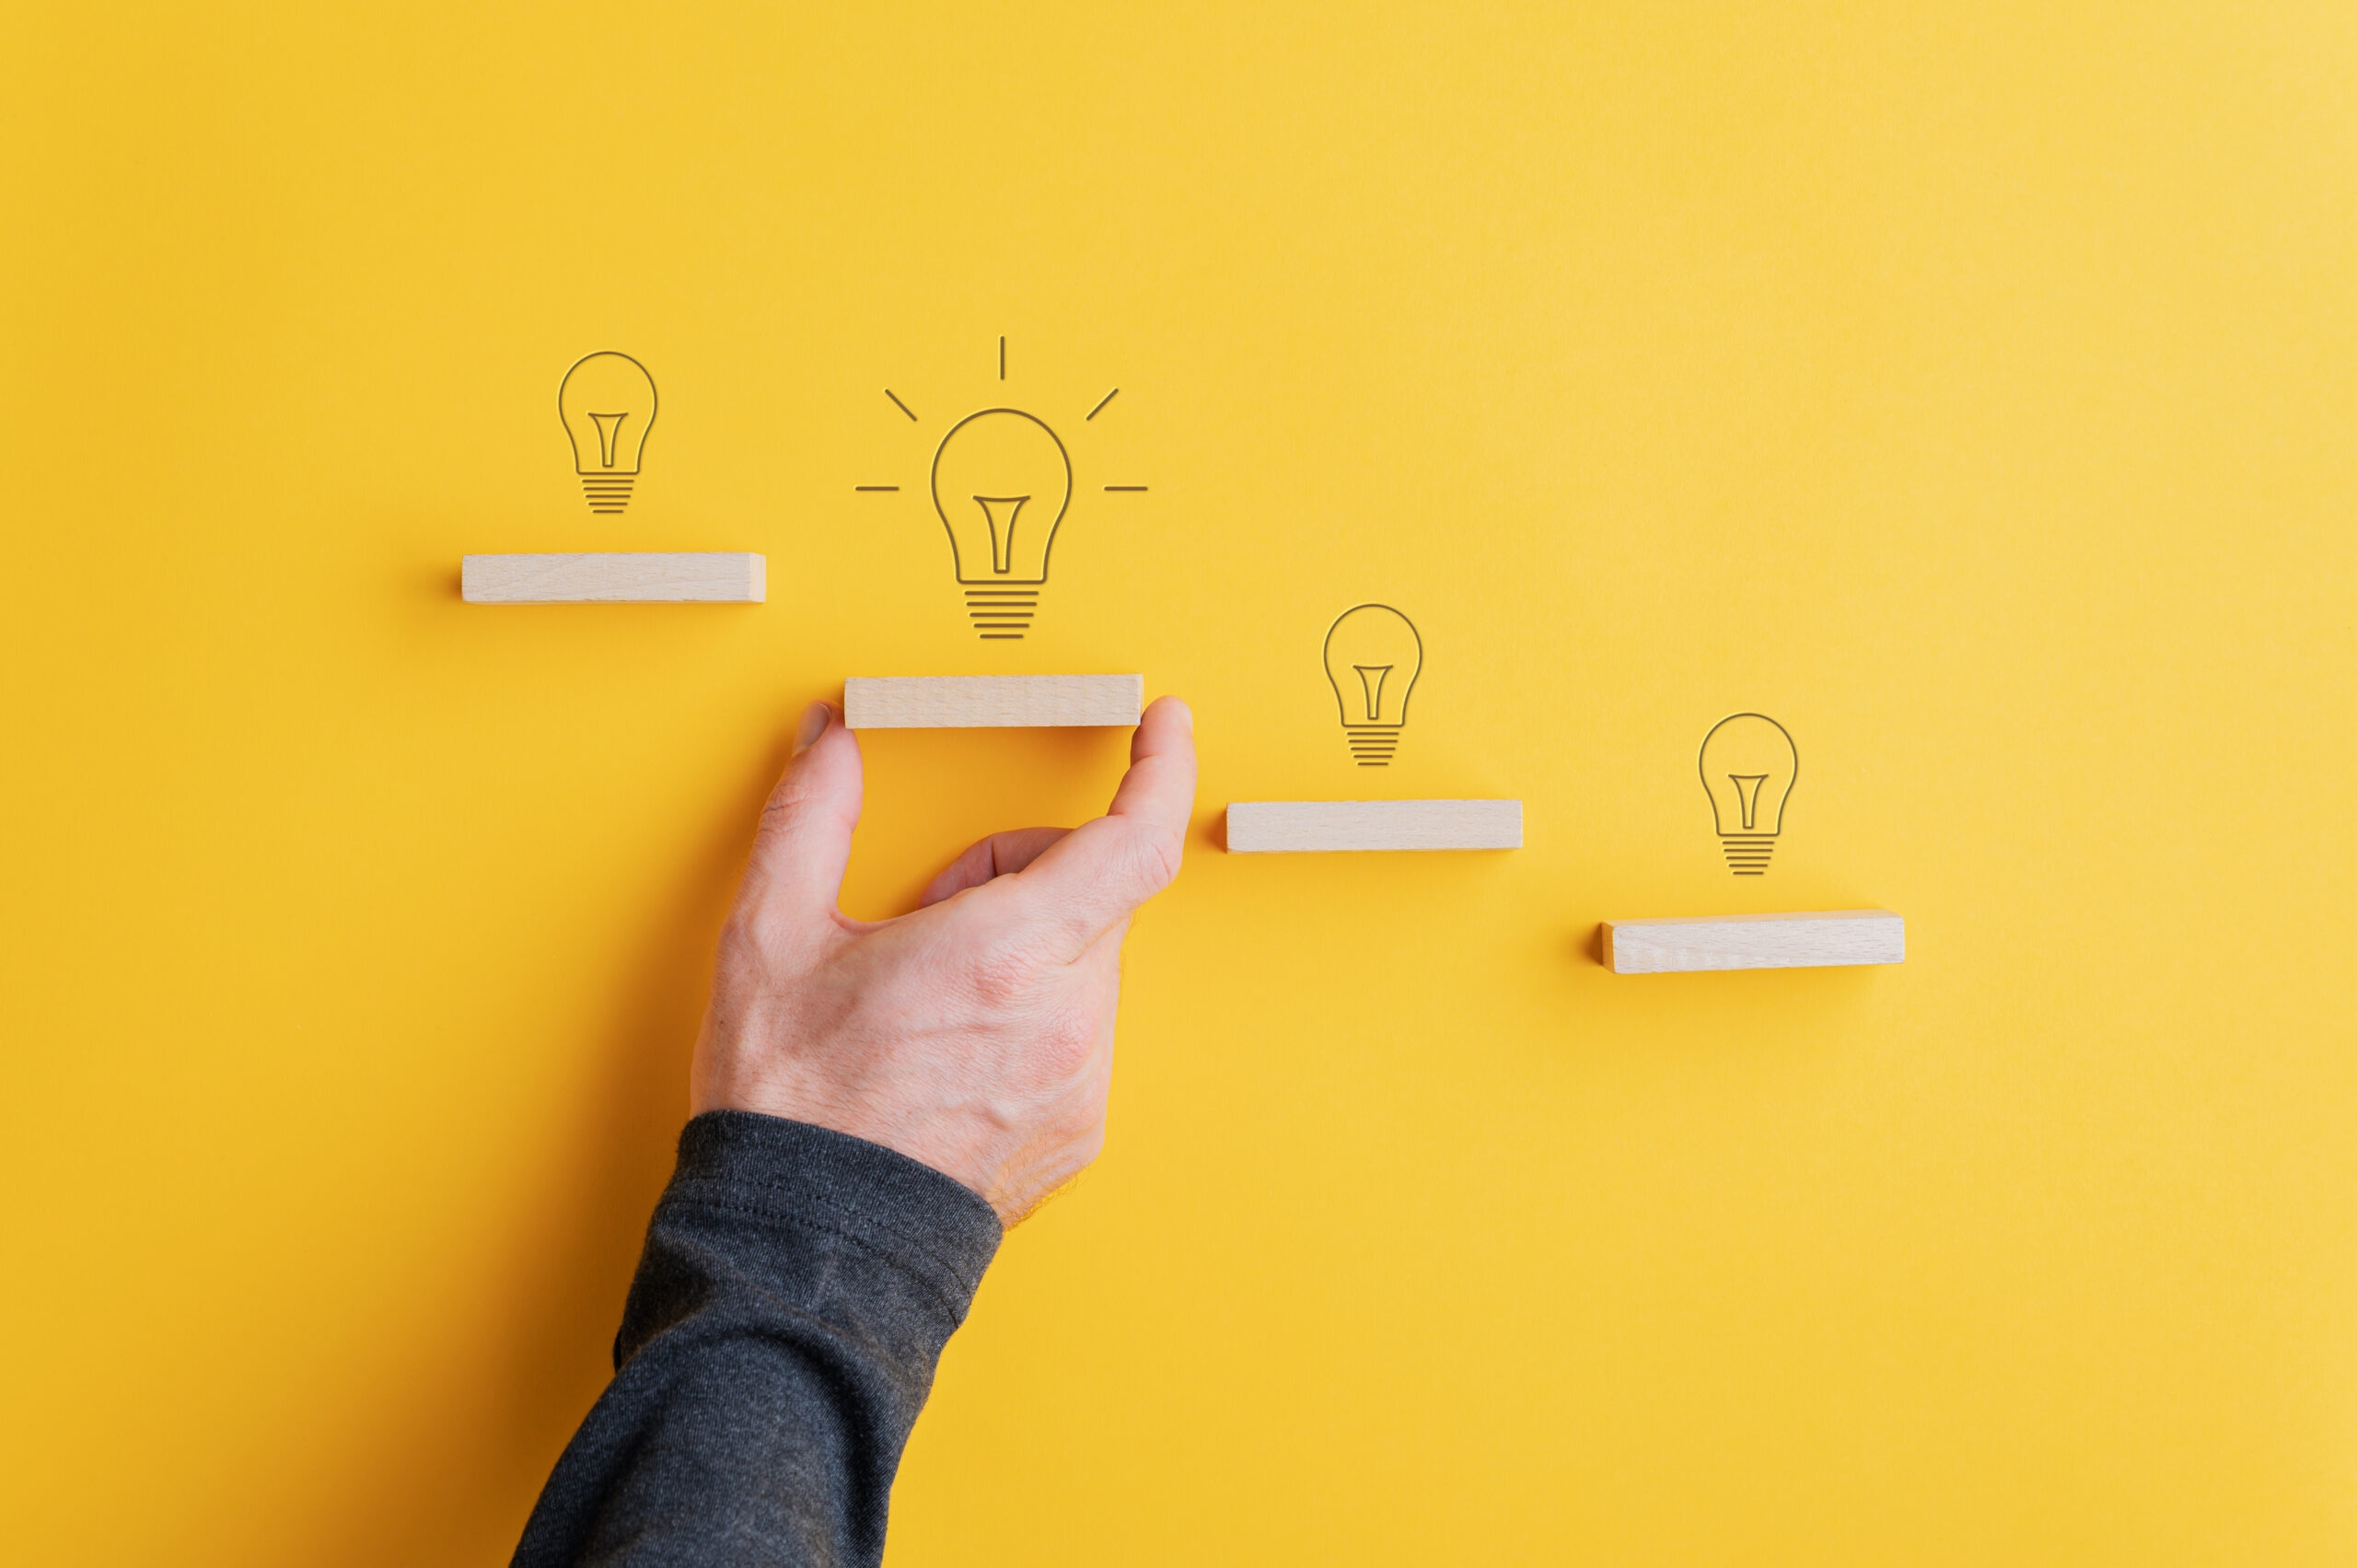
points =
(975, 702)
(724, 576)
(1279, 826)
(1806, 940)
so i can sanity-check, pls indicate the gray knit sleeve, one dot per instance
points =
(797, 1289)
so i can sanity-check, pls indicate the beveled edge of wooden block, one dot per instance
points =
(1610, 927)
(743, 576)
(1029, 701)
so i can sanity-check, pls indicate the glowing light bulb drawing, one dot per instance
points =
(1372, 657)
(1749, 763)
(607, 402)
(1001, 485)
(1001, 481)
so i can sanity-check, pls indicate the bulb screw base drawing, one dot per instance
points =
(1002, 615)
(1372, 745)
(1747, 852)
(608, 492)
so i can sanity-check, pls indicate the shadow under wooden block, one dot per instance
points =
(727, 577)
(1294, 827)
(1809, 939)
(977, 702)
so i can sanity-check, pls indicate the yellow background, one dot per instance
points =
(1968, 387)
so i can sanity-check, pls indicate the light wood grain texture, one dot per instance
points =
(975, 702)
(724, 576)
(1282, 826)
(1804, 940)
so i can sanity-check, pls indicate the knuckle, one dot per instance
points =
(778, 810)
(759, 927)
(1002, 978)
(794, 794)
(749, 933)
(1067, 1040)
(1153, 855)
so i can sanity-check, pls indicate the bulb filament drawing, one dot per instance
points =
(607, 402)
(1002, 532)
(1747, 764)
(1373, 656)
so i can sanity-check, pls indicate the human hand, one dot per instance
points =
(975, 1035)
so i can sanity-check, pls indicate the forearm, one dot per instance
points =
(780, 1338)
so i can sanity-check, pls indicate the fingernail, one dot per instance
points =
(815, 719)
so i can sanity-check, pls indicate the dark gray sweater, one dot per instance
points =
(780, 1338)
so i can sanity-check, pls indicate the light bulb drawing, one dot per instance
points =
(1002, 482)
(1372, 657)
(607, 402)
(1002, 485)
(1749, 763)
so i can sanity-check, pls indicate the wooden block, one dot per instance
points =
(727, 577)
(975, 702)
(1755, 941)
(1280, 826)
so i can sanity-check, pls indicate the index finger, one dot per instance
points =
(1097, 876)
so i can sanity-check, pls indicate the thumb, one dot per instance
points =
(796, 869)
(1090, 881)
